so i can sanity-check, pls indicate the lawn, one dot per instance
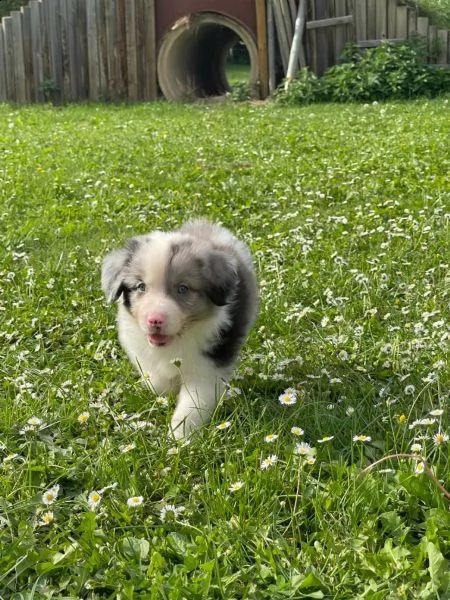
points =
(347, 212)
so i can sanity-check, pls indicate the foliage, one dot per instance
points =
(437, 10)
(6, 6)
(346, 210)
(386, 72)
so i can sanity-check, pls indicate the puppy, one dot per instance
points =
(187, 300)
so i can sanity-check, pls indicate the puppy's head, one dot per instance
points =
(169, 282)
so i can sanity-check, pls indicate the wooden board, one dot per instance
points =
(18, 63)
(360, 18)
(401, 27)
(381, 19)
(391, 18)
(261, 29)
(36, 50)
(27, 57)
(3, 90)
(371, 25)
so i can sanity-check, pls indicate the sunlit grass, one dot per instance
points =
(346, 210)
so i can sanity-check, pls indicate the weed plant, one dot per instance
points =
(346, 210)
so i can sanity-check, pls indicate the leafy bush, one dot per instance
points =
(386, 72)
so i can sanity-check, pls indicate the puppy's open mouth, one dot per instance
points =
(158, 339)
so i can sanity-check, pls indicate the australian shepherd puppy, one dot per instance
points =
(186, 302)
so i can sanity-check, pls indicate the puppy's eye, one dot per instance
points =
(182, 289)
(140, 287)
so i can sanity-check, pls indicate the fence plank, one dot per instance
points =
(66, 90)
(433, 43)
(55, 44)
(391, 18)
(27, 55)
(3, 90)
(371, 19)
(381, 19)
(422, 26)
(36, 50)
(360, 16)
(330, 22)
(92, 48)
(442, 57)
(130, 32)
(401, 27)
(19, 65)
(121, 42)
(9, 57)
(109, 57)
(282, 35)
(340, 37)
(75, 67)
(151, 90)
(412, 22)
(82, 48)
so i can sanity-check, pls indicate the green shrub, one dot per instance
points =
(389, 71)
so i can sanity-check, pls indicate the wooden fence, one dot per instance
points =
(330, 24)
(72, 50)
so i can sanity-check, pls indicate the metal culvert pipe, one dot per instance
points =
(193, 54)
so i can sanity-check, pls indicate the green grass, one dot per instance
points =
(346, 209)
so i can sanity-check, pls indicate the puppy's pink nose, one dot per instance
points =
(156, 320)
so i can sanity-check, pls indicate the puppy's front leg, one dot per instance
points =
(196, 403)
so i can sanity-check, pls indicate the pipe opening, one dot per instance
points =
(193, 60)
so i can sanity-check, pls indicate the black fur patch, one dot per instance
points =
(225, 350)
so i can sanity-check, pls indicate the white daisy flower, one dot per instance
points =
(135, 501)
(362, 438)
(236, 486)
(298, 431)
(287, 398)
(223, 425)
(94, 499)
(416, 448)
(50, 496)
(326, 438)
(170, 509)
(83, 418)
(47, 518)
(420, 468)
(440, 438)
(437, 412)
(270, 461)
(304, 449)
(270, 438)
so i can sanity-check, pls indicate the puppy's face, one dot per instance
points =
(168, 282)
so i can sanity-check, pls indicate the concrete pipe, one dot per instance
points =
(192, 56)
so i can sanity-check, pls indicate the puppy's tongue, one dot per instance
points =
(157, 339)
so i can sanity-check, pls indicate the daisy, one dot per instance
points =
(83, 418)
(34, 421)
(420, 468)
(237, 485)
(127, 447)
(94, 500)
(50, 496)
(327, 438)
(135, 501)
(297, 431)
(287, 398)
(416, 448)
(269, 461)
(223, 425)
(436, 412)
(440, 438)
(409, 390)
(304, 449)
(272, 437)
(47, 518)
(171, 509)
(362, 438)
(424, 422)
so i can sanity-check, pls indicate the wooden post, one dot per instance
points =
(296, 43)
(360, 15)
(261, 35)
(402, 23)
(151, 87)
(36, 50)
(3, 91)
(27, 56)
(130, 28)
(271, 47)
(391, 18)
(381, 19)
(93, 57)
(19, 65)
(283, 42)
(442, 35)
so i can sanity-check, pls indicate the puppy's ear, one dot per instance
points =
(220, 277)
(113, 268)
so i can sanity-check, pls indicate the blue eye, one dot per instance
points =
(140, 287)
(183, 289)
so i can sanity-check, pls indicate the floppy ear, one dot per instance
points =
(112, 273)
(220, 277)
(113, 267)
